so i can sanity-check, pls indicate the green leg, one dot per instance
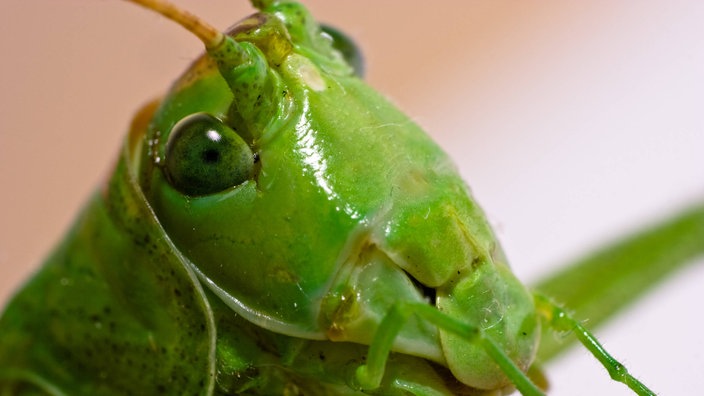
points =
(369, 376)
(560, 320)
(599, 286)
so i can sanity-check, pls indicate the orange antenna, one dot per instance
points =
(222, 48)
(242, 65)
(209, 35)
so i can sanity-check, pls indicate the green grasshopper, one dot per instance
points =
(270, 339)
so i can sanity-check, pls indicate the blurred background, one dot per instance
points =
(573, 122)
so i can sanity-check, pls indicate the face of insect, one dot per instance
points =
(310, 205)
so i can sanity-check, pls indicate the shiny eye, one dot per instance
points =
(205, 156)
(347, 47)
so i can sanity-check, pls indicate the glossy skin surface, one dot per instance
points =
(496, 212)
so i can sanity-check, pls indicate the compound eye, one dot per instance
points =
(347, 48)
(204, 156)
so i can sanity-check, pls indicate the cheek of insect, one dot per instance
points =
(495, 301)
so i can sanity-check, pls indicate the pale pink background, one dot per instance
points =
(572, 121)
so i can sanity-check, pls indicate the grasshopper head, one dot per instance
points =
(311, 205)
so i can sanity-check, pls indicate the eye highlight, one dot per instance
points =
(205, 156)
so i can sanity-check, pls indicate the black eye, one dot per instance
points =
(347, 48)
(205, 156)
